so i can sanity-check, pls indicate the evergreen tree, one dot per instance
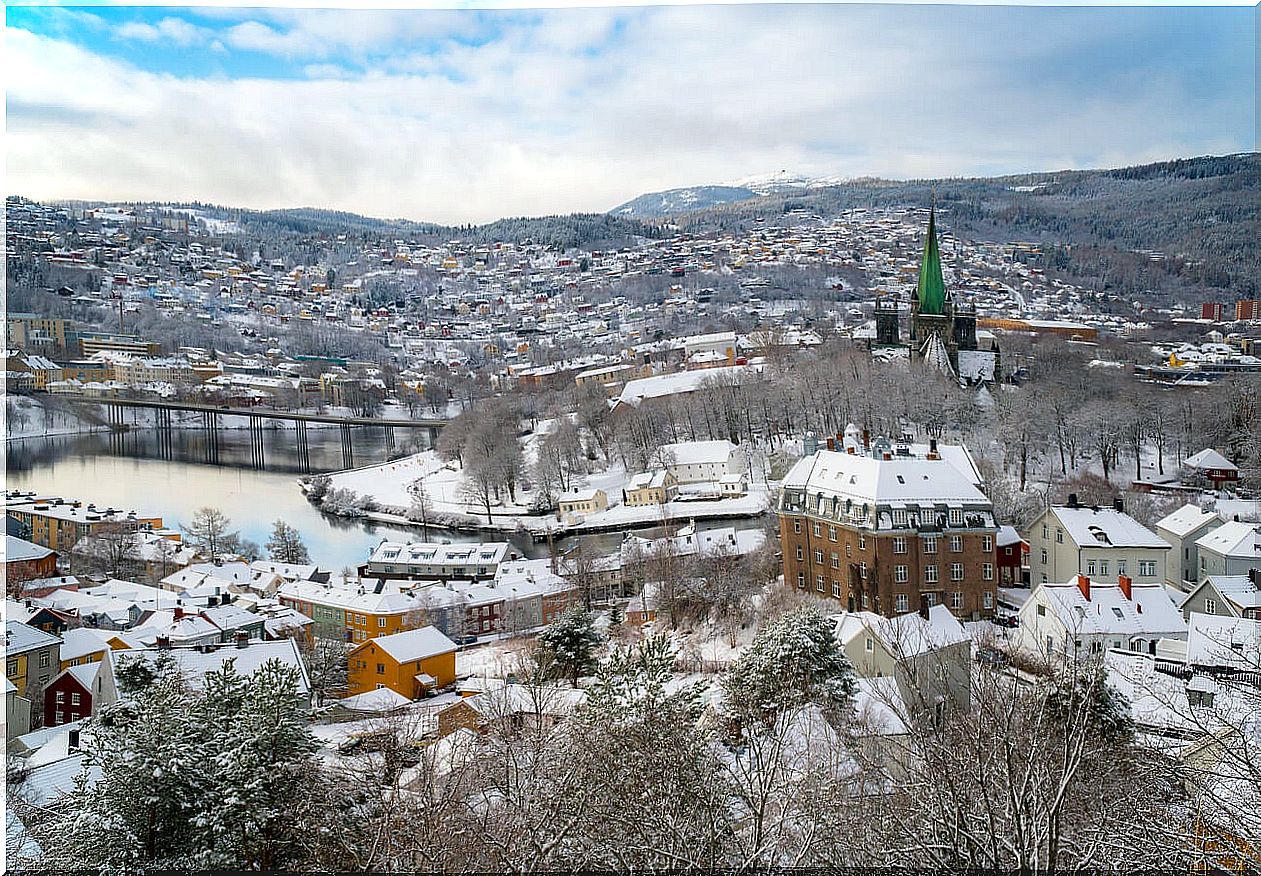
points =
(570, 644)
(793, 660)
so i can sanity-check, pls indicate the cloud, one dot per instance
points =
(471, 116)
(172, 30)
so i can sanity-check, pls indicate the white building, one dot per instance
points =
(1083, 617)
(1233, 548)
(425, 560)
(1072, 539)
(1182, 529)
(696, 462)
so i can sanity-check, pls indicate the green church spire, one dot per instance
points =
(932, 288)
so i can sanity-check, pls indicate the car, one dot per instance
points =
(991, 656)
(1006, 620)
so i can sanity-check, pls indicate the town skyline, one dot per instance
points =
(468, 116)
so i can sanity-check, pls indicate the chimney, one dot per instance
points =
(179, 612)
(850, 450)
(1254, 576)
(242, 638)
(831, 443)
(932, 449)
(164, 643)
(1118, 504)
(1083, 584)
(866, 438)
(923, 606)
(1127, 586)
(1072, 500)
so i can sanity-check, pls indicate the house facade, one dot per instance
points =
(1099, 543)
(1182, 529)
(889, 527)
(407, 663)
(1233, 548)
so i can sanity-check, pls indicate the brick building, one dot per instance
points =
(889, 527)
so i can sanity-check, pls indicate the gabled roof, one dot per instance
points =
(1149, 612)
(1234, 539)
(1209, 458)
(17, 550)
(20, 638)
(412, 645)
(1106, 527)
(1186, 520)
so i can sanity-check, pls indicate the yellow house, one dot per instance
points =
(650, 488)
(86, 645)
(584, 501)
(407, 663)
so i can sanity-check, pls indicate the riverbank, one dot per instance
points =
(381, 493)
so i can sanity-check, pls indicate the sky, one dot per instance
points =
(467, 115)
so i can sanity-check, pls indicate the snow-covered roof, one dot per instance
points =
(1218, 640)
(17, 550)
(20, 638)
(1007, 535)
(83, 641)
(1148, 612)
(1234, 539)
(194, 663)
(635, 391)
(865, 478)
(699, 452)
(1208, 458)
(380, 700)
(1106, 527)
(1186, 519)
(413, 644)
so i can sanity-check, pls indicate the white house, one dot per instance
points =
(694, 462)
(1082, 617)
(1226, 595)
(1073, 539)
(1233, 548)
(1182, 529)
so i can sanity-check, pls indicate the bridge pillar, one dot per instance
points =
(256, 441)
(304, 449)
(348, 451)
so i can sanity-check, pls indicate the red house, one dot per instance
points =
(71, 694)
(26, 561)
(1011, 558)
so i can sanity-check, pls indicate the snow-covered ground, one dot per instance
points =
(26, 418)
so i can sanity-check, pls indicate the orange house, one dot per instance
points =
(409, 663)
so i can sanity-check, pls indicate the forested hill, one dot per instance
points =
(1191, 223)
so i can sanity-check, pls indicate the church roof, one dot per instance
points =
(932, 288)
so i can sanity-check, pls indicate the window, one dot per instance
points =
(899, 516)
(1044, 559)
(801, 552)
(930, 574)
(956, 599)
(1210, 607)
(380, 669)
(930, 599)
(1120, 567)
(930, 544)
(74, 699)
(61, 717)
(900, 602)
(987, 543)
(818, 583)
(862, 569)
(956, 544)
(836, 560)
(836, 588)
(74, 716)
(987, 571)
(1046, 531)
(1090, 567)
(869, 645)
(796, 524)
(956, 571)
(801, 580)
(1103, 568)
(956, 516)
(1147, 568)
(1059, 536)
(862, 542)
(831, 533)
(43, 660)
(866, 602)
(11, 668)
(818, 556)
(849, 549)
(818, 530)
(900, 575)
(899, 545)
(381, 622)
(987, 599)
(1041, 611)
(61, 697)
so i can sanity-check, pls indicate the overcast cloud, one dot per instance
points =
(465, 116)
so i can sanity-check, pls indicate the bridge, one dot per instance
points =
(211, 423)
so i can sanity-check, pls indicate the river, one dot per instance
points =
(135, 469)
